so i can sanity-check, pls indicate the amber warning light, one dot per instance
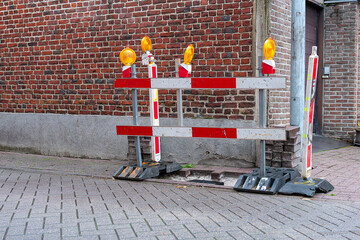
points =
(269, 49)
(268, 65)
(127, 57)
(146, 44)
(147, 58)
(189, 54)
(185, 68)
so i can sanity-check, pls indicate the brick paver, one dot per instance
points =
(50, 206)
(341, 167)
(51, 201)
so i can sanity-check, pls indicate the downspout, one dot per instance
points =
(297, 83)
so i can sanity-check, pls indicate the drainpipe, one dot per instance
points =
(297, 86)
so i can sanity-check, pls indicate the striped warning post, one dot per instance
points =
(309, 113)
(154, 113)
(205, 132)
(203, 83)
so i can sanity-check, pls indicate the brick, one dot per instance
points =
(78, 44)
(292, 131)
(275, 163)
(294, 140)
(290, 163)
(292, 148)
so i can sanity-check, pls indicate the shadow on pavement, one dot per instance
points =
(321, 143)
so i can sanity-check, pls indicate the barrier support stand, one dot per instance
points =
(265, 180)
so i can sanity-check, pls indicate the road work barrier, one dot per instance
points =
(262, 180)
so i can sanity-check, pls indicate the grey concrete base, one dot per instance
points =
(89, 136)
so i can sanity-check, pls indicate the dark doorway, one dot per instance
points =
(314, 37)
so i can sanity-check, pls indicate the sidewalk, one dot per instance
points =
(341, 167)
(45, 197)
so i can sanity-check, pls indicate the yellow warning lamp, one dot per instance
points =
(269, 49)
(189, 54)
(146, 44)
(127, 56)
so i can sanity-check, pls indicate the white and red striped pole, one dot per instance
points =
(154, 113)
(148, 59)
(309, 113)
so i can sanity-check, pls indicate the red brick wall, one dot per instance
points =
(280, 31)
(341, 53)
(62, 56)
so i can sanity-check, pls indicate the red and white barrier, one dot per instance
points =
(309, 113)
(205, 83)
(204, 132)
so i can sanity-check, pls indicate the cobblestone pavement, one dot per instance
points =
(57, 206)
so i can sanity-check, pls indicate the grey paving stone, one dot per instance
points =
(35, 223)
(109, 236)
(140, 227)
(166, 237)
(81, 238)
(69, 231)
(22, 237)
(16, 230)
(125, 233)
(143, 210)
(103, 219)
(87, 226)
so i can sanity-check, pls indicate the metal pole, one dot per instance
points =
(135, 118)
(262, 125)
(297, 87)
(179, 96)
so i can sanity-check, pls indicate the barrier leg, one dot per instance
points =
(123, 171)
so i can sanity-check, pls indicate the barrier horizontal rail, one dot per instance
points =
(202, 83)
(205, 132)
